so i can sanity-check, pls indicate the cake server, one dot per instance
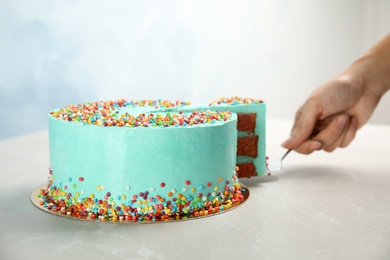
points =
(276, 164)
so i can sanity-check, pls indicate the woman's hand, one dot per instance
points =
(334, 112)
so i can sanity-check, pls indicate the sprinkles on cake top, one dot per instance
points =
(108, 114)
(235, 101)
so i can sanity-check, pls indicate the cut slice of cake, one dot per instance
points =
(251, 132)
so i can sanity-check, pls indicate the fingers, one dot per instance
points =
(308, 147)
(334, 134)
(351, 132)
(339, 132)
(309, 133)
(304, 123)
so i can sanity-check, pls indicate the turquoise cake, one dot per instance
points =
(148, 160)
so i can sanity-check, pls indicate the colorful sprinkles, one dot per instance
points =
(235, 100)
(108, 114)
(144, 206)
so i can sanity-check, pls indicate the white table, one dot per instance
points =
(322, 206)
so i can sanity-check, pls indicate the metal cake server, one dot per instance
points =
(276, 164)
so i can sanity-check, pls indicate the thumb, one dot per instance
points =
(303, 127)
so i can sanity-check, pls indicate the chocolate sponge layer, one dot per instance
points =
(246, 170)
(246, 122)
(247, 146)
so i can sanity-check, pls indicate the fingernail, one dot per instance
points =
(342, 120)
(314, 146)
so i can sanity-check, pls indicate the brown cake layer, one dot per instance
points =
(247, 146)
(246, 170)
(246, 122)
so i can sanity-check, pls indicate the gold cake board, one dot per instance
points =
(176, 218)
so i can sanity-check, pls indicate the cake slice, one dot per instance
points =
(251, 132)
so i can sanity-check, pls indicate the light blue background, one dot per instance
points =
(55, 53)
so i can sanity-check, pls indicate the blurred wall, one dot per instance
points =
(55, 53)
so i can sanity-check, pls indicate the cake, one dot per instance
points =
(152, 160)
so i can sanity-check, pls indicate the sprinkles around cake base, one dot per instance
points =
(238, 196)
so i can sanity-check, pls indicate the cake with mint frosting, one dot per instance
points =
(152, 160)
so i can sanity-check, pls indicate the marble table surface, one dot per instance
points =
(321, 206)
